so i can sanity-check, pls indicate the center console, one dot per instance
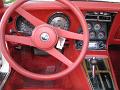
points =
(98, 70)
(99, 73)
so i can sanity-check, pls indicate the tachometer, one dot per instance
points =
(23, 26)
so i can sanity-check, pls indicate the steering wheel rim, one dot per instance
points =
(32, 75)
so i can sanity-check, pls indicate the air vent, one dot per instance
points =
(92, 17)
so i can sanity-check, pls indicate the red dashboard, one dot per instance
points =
(84, 6)
(103, 20)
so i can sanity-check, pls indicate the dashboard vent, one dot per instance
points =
(92, 17)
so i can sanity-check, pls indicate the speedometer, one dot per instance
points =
(23, 26)
(62, 21)
(59, 20)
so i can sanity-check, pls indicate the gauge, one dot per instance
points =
(101, 35)
(89, 26)
(97, 27)
(23, 26)
(92, 35)
(59, 20)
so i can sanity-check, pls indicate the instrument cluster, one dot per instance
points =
(97, 30)
(98, 26)
(58, 20)
(98, 35)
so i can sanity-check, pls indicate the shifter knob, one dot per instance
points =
(93, 62)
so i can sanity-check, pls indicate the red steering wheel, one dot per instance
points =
(43, 37)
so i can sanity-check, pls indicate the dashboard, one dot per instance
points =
(98, 25)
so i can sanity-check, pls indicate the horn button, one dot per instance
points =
(44, 37)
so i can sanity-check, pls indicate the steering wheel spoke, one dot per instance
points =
(19, 39)
(32, 19)
(54, 52)
(70, 35)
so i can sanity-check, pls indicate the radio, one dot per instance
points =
(93, 45)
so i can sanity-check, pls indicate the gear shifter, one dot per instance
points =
(93, 62)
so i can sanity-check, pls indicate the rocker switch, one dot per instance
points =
(93, 62)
